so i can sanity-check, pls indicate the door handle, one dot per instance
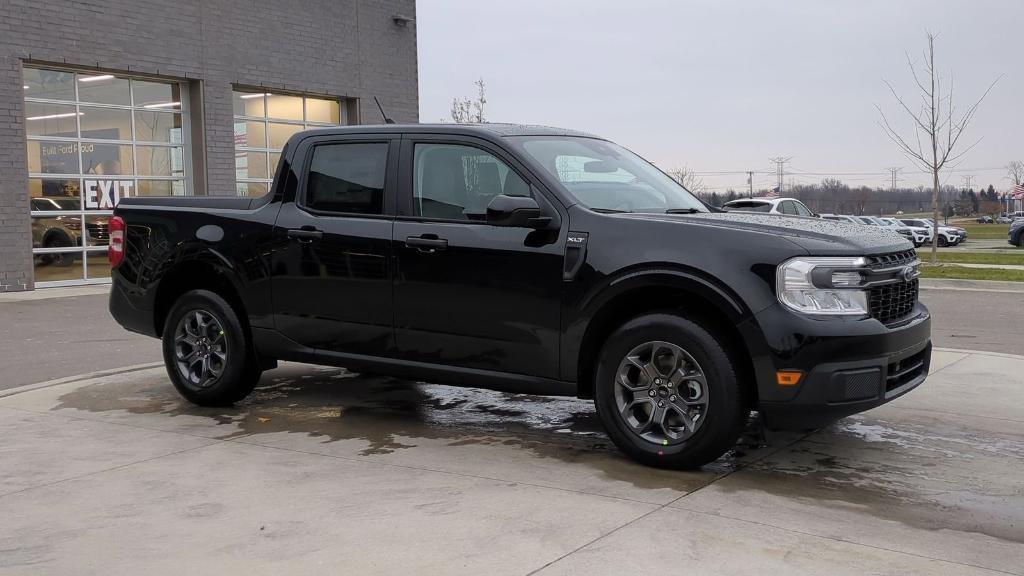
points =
(426, 243)
(305, 234)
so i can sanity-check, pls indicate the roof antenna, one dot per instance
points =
(379, 107)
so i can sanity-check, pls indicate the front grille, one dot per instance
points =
(892, 302)
(98, 231)
(892, 260)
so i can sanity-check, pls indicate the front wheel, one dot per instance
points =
(942, 242)
(207, 351)
(668, 394)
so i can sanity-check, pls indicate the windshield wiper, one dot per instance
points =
(610, 211)
(683, 211)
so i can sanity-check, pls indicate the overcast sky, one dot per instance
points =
(724, 85)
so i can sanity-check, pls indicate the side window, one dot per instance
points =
(801, 210)
(455, 182)
(348, 177)
(787, 208)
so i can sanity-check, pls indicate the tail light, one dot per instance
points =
(115, 249)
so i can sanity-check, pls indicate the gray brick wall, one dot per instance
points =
(338, 47)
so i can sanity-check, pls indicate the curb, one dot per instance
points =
(972, 285)
(51, 293)
(150, 365)
(980, 353)
(78, 378)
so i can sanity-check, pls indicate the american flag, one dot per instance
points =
(1017, 193)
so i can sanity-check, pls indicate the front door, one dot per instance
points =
(332, 267)
(469, 294)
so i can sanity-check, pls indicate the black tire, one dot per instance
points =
(62, 259)
(942, 242)
(727, 410)
(239, 372)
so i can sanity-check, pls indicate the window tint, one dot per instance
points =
(747, 206)
(348, 178)
(458, 182)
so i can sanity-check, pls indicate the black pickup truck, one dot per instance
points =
(527, 259)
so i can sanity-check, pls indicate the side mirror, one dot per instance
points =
(515, 212)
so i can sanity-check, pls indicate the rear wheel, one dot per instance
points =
(667, 392)
(207, 351)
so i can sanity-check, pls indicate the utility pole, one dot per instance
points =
(750, 182)
(894, 170)
(967, 180)
(780, 168)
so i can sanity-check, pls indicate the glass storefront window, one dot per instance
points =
(43, 119)
(94, 138)
(281, 107)
(103, 89)
(152, 126)
(105, 123)
(263, 124)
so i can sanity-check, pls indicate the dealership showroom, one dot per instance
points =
(97, 110)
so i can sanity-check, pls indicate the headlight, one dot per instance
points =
(829, 286)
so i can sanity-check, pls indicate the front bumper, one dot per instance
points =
(849, 365)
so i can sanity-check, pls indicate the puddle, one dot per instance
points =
(390, 415)
(925, 475)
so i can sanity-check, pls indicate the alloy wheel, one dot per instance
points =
(661, 393)
(200, 349)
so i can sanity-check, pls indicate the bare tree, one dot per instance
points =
(1015, 172)
(937, 121)
(690, 180)
(470, 111)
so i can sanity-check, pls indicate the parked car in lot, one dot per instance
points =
(947, 236)
(961, 232)
(899, 228)
(1004, 220)
(530, 259)
(984, 220)
(1015, 235)
(841, 218)
(790, 206)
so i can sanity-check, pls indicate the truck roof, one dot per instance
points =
(485, 130)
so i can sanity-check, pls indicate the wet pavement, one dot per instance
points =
(321, 469)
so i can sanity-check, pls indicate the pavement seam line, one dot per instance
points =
(844, 541)
(953, 363)
(112, 468)
(666, 505)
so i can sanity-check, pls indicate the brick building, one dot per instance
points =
(101, 99)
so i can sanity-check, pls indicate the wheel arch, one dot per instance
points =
(685, 293)
(198, 274)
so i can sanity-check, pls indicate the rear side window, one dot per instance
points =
(749, 206)
(787, 208)
(348, 178)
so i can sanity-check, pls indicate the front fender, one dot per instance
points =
(582, 311)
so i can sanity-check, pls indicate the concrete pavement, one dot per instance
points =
(325, 471)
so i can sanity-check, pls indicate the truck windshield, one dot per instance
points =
(606, 177)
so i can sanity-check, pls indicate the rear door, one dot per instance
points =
(467, 293)
(332, 264)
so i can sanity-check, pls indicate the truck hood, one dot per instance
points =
(816, 235)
